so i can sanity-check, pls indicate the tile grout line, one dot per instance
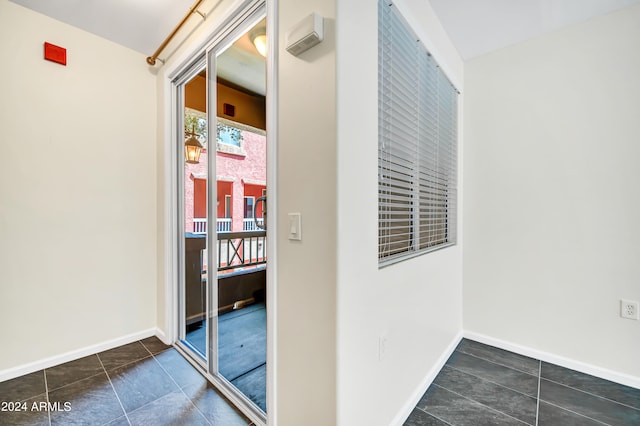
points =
(158, 399)
(576, 413)
(180, 352)
(592, 394)
(538, 397)
(77, 381)
(540, 377)
(481, 404)
(434, 416)
(46, 393)
(489, 381)
(114, 391)
(177, 385)
(128, 362)
(539, 380)
(497, 363)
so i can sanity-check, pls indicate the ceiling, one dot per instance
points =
(475, 26)
(138, 24)
(242, 65)
(142, 25)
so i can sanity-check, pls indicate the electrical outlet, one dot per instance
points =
(629, 309)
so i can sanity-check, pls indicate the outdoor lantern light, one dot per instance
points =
(192, 149)
(259, 39)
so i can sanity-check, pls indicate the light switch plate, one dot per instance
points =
(295, 227)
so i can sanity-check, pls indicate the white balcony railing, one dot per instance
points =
(200, 225)
(224, 224)
(249, 225)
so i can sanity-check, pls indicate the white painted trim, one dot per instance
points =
(170, 219)
(222, 178)
(200, 42)
(272, 222)
(582, 367)
(31, 367)
(408, 407)
(242, 126)
(163, 337)
(254, 182)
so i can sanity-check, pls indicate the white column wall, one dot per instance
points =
(415, 304)
(306, 350)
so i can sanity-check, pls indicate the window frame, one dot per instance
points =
(253, 203)
(227, 206)
(417, 145)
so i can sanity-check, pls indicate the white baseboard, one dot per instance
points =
(163, 337)
(31, 367)
(408, 407)
(603, 373)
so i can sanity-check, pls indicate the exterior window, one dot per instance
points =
(248, 207)
(227, 206)
(417, 144)
(229, 135)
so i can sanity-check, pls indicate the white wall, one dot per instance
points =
(416, 304)
(306, 374)
(551, 176)
(77, 191)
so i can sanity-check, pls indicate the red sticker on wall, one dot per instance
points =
(55, 53)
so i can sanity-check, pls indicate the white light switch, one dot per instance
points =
(295, 227)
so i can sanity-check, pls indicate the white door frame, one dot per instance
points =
(220, 28)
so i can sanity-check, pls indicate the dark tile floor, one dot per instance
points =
(483, 385)
(148, 383)
(143, 383)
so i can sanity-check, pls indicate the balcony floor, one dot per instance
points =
(242, 350)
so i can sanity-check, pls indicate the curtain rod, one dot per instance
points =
(151, 60)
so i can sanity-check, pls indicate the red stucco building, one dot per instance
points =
(240, 178)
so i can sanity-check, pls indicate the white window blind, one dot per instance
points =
(417, 144)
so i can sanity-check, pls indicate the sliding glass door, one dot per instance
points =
(222, 259)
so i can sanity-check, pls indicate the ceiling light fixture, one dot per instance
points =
(259, 39)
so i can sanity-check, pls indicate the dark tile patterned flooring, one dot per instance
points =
(148, 383)
(142, 383)
(483, 385)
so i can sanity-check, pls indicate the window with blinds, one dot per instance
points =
(417, 144)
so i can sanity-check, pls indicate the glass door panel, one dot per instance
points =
(195, 222)
(241, 161)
